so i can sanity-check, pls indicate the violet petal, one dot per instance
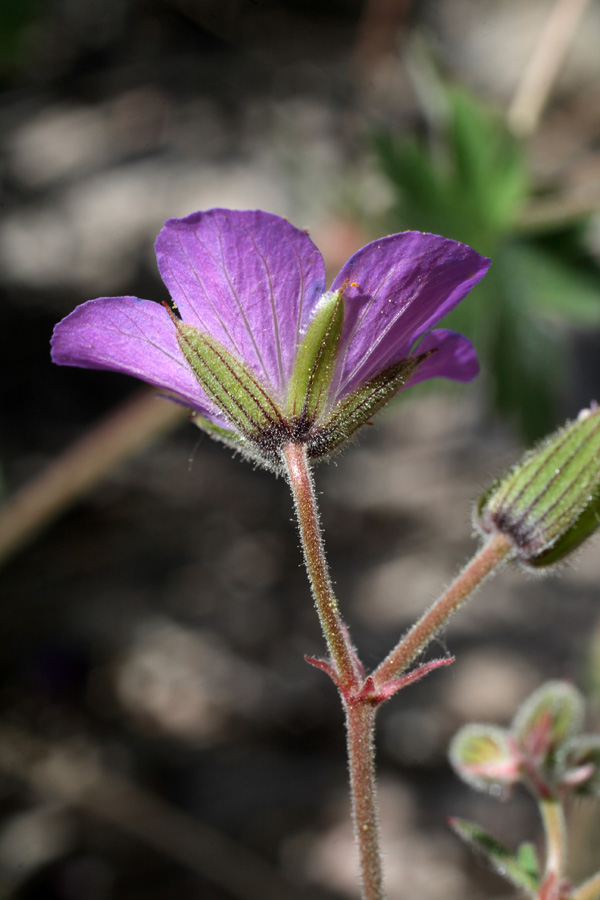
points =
(399, 287)
(137, 337)
(454, 358)
(249, 279)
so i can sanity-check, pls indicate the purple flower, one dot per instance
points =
(261, 353)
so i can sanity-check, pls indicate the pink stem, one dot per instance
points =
(360, 710)
(555, 832)
(483, 563)
(301, 484)
(360, 723)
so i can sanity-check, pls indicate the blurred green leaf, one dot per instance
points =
(528, 861)
(469, 181)
(524, 353)
(521, 869)
(488, 161)
(557, 287)
(470, 188)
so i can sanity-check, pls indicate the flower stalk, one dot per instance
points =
(360, 730)
(493, 552)
(555, 833)
(361, 695)
(305, 501)
(359, 704)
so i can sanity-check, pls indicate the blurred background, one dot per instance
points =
(160, 733)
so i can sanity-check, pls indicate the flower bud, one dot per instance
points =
(580, 761)
(485, 757)
(550, 502)
(548, 718)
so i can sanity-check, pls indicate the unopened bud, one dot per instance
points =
(550, 502)
(548, 718)
(580, 761)
(485, 757)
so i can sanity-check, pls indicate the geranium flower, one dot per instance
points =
(262, 355)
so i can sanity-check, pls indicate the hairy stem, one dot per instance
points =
(360, 722)
(589, 890)
(305, 501)
(555, 832)
(360, 711)
(493, 552)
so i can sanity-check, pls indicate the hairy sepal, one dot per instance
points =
(360, 406)
(229, 384)
(316, 358)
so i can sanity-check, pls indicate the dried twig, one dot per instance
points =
(544, 65)
(123, 432)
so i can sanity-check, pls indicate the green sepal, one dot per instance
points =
(485, 757)
(234, 390)
(316, 358)
(358, 407)
(585, 525)
(550, 502)
(520, 868)
(218, 432)
(550, 716)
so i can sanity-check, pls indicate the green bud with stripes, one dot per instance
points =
(550, 502)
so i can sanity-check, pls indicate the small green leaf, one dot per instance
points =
(519, 869)
(485, 757)
(550, 716)
(527, 859)
(315, 362)
(229, 384)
